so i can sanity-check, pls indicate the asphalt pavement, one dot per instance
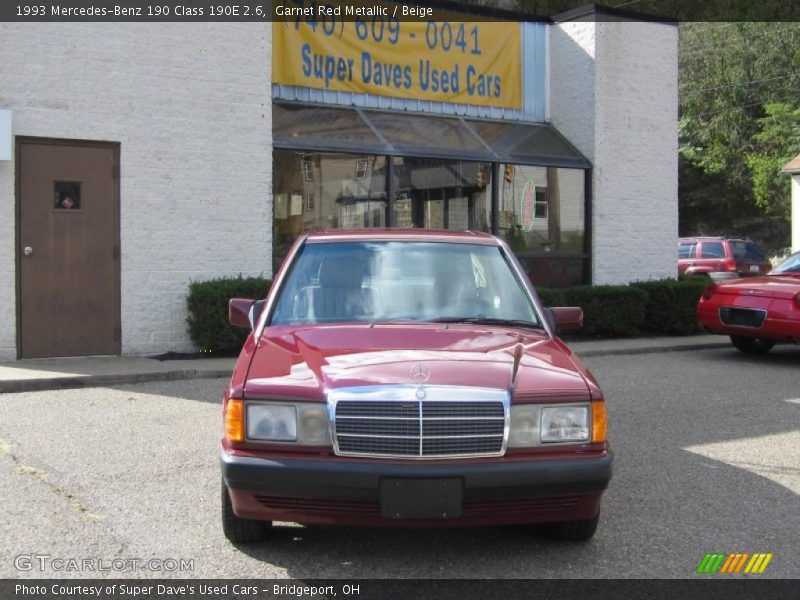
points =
(707, 459)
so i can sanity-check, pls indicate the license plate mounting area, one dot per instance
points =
(421, 498)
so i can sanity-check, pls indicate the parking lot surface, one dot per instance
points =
(707, 459)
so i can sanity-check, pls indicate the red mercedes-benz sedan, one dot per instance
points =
(409, 378)
(756, 312)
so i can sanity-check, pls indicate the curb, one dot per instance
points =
(652, 349)
(85, 381)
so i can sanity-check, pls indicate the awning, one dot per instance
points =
(307, 127)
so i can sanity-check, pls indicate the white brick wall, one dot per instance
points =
(190, 106)
(614, 94)
(795, 212)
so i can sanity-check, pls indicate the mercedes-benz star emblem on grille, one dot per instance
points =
(420, 373)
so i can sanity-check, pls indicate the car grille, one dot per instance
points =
(431, 427)
(742, 317)
(371, 508)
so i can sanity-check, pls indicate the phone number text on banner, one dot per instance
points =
(445, 61)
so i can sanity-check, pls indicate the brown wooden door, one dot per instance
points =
(68, 248)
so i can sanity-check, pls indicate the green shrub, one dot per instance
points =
(671, 303)
(551, 297)
(208, 310)
(608, 310)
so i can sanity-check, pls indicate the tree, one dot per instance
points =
(738, 120)
(779, 138)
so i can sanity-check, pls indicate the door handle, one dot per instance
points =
(28, 251)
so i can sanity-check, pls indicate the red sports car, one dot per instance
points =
(756, 312)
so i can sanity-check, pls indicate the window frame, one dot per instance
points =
(308, 170)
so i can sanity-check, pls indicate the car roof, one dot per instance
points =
(406, 235)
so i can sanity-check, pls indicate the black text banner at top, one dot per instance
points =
(325, 11)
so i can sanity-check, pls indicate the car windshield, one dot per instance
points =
(790, 265)
(747, 251)
(403, 281)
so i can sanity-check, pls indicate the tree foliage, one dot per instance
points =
(779, 138)
(739, 120)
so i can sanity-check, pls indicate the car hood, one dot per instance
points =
(304, 362)
(769, 286)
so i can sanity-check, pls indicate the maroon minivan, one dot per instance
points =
(409, 378)
(721, 258)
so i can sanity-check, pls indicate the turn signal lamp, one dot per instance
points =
(234, 420)
(599, 422)
(730, 264)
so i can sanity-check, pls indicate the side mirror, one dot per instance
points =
(243, 312)
(239, 310)
(565, 318)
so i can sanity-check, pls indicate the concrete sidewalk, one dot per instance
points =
(58, 373)
(96, 371)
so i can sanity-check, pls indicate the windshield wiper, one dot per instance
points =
(488, 321)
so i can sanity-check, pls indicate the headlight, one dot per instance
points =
(533, 425)
(524, 427)
(565, 424)
(312, 425)
(272, 422)
(302, 423)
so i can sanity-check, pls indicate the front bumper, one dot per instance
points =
(350, 492)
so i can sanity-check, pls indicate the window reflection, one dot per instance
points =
(541, 216)
(540, 210)
(442, 194)
(317, 191)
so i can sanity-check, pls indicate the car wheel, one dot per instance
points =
(573, 531)
(238, 530)
(750, 345)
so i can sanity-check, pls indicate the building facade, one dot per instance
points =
(144, 156)
(793, 169)
(180, 115)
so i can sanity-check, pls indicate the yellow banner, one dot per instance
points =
(378, 53)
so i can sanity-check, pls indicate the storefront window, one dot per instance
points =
(316, 191)
(541, 216)
(540, 210)
(442, 194)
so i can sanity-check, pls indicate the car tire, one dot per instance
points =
(573, 531)
(238, 530)
(750, 345)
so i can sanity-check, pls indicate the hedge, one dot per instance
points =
(551, 297)
(663, 307)
(671, 305)
(608, 310)
(208, 310)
